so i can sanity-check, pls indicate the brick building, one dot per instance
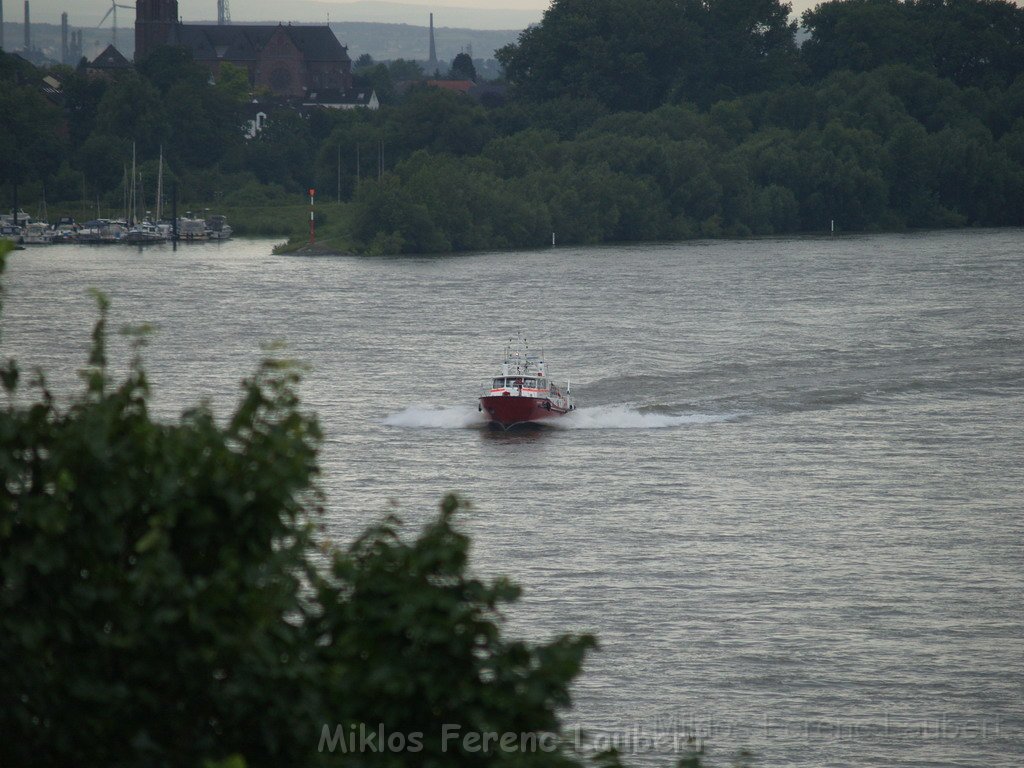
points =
(287, 60)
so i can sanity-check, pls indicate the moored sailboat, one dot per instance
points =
(37, 233)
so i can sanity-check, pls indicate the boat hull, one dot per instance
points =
(508, 410)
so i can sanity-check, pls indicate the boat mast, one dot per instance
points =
(131, 221)
(160, 185)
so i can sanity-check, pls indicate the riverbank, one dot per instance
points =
(333, 232)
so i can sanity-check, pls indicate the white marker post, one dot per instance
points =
(312, 223)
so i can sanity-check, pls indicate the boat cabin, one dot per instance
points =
(517, 382)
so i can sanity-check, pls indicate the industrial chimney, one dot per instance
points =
(64, 38)
(28, 34)
(223, 12)
(432, 63)
(1, 25)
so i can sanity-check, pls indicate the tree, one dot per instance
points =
(132, 108)
(163, 599)
(462, 68)
(283, 152)
(379, 78)
(638, 55)
(233, 83)
(971, 42)
(82, 96)
(387, 219)
(168, 65)
(101, 158)
(439, 120)
(404, 69)
(31, 144)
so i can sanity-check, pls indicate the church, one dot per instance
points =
(287, 60)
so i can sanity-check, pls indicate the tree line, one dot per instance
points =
(659, 119)
(890, 148)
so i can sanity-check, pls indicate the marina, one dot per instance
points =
(23, 230)
(132, 228)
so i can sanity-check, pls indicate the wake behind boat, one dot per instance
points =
(522, 393)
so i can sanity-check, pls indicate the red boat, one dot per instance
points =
(522, 393)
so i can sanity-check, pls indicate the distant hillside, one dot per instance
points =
(386, 41)
(381, 41)
(489, 14)
(455, 12)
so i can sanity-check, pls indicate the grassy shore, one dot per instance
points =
(333, 231)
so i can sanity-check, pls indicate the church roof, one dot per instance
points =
(110, 58)
(243, 42)
(317, 43)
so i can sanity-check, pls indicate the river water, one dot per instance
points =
(791, 504)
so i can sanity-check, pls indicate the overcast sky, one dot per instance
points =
(476, 14)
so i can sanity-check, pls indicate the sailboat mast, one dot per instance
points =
(134, 201)
(160, 186)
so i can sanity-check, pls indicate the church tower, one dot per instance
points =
(154, 24)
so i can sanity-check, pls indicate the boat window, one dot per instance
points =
(499, 383)
(542, 383)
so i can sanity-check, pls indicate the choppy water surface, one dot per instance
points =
(790, 505)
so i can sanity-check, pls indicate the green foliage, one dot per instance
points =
(404, 69)
(164, 601)
(971, 42)
(638, 55)
(388, 220)
(440, 121)
(233, 83)
(280, 154)
(384, 77)
(888, 149)
(377, 77)
(82, 99)
(31, 145)
(66, 183)
(565, 116)
(132, 109)
(167, 66)
(462, 68)
(269, 211)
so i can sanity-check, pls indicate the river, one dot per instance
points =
(791, 504)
